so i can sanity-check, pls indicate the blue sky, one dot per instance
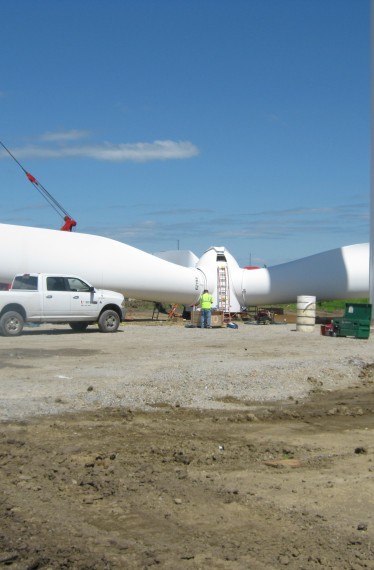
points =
(190, 123)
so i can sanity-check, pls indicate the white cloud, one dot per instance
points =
(125, 152)
(141, 152)
(64, 136)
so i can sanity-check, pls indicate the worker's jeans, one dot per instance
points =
(205, 318)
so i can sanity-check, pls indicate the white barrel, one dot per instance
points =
(306, 313)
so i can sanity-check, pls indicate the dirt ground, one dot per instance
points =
(282, 485)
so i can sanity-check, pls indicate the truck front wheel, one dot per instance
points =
(11, 324)
(108, 321)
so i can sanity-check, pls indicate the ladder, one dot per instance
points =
(223, 292)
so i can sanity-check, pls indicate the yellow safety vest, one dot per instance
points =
(206, 301)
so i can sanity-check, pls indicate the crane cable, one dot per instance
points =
(40, 188)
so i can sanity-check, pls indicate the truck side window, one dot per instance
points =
(56, 284)
(26, 282)
(76, 284)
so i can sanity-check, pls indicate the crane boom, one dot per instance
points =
(69, 222)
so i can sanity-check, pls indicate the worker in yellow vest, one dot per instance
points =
(206, 302)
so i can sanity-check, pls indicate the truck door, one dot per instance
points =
(83, 298)
(56, 298)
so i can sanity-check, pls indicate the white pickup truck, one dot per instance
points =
(47, 298)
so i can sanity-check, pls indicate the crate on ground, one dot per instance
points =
(217, 318)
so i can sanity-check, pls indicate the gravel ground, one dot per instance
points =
(50, 369)
(177, 447)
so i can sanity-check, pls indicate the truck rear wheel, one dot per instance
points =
(108, 321)
(78, 326)
(11, 324)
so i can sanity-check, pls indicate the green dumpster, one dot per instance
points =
(355, 322)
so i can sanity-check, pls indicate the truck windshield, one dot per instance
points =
(26, 282)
